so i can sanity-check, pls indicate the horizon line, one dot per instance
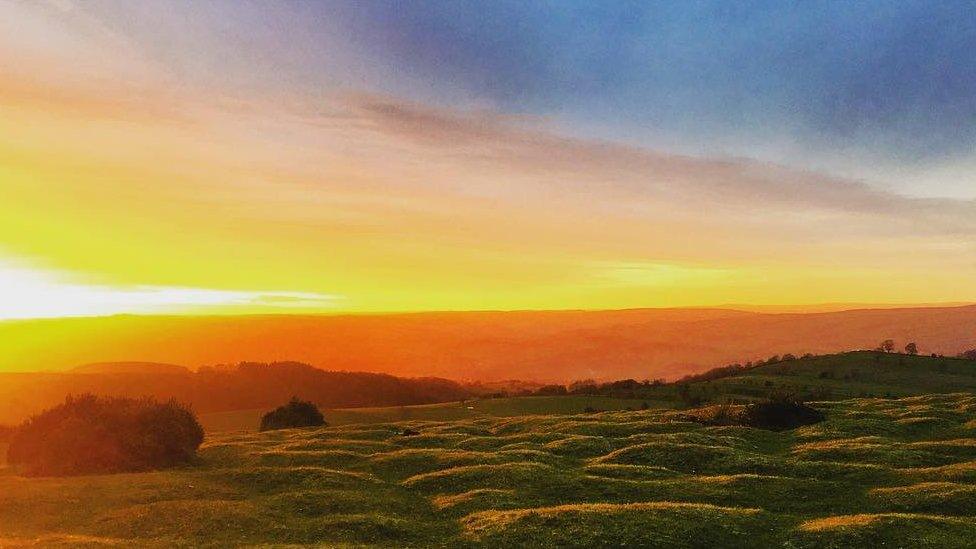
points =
(820, 307)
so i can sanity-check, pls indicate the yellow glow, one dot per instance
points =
(36, 293)
(185, 200)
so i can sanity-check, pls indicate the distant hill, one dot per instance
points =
(245, 386)
(130, 368)
(547, 346)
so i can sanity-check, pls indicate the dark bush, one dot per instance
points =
(297, 413)
(780, 413)
(91, 434)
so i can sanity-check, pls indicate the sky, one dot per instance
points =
(252, 157)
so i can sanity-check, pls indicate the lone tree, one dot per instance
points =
(888, 345)
(91, 434)
(911, 348)
(297, 413)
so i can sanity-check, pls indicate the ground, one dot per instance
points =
(248, 420)
(878, 472)
(846, 375)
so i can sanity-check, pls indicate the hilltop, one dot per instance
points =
(828, 377)
(852, 374)
(547, 346)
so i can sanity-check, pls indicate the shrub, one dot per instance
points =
(780, 413)
(297, 413)
(91, 434)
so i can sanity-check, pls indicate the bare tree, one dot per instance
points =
(888, 345)
(911, 348)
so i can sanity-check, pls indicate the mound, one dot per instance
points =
(929, 497)
(504, 475)
(410, 462)
(885, 530)
(662, 524)
(683, 457)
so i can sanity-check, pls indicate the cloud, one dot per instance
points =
(495, 141)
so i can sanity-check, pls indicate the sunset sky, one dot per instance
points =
(237, 156)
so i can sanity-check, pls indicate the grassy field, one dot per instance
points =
(829, 377)
(832, 377)
(854, 374)
(890, 473)
(248, 420)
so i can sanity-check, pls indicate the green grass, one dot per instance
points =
(876, 473)
(849, 375)
(248, 420)
(828, 377)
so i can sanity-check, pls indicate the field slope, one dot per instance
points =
(248, 420)
(846, 375)
(876, 473)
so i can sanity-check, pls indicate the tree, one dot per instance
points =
(297, 413)
(969, 355)
(92, 434)
(583, 386)
(911, 348)
(888, 345)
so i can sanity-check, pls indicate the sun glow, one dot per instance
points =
(174, 191)
(29, 292)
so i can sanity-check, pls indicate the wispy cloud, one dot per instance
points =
(497, 141)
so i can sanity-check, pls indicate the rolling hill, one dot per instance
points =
(876, 473)
(538, 346)
(853, 374)
(826, 377)
(236, 396)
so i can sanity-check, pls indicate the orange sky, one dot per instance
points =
(126, 189)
